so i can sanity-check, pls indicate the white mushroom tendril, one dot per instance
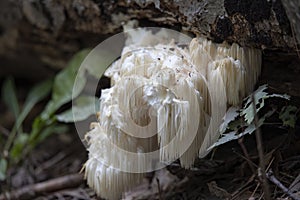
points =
(162, 94)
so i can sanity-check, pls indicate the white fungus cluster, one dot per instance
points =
(167, 92)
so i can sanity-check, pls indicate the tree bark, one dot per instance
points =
(293, 9)
(35, 33)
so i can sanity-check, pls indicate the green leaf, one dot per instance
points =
(38, 125)
(35, 95)
(234, 135)
(288, 115)
(64, 88)
(9, 96)
(283, 96)
(50, 108)
(230, 115)
(259, 96)
(224, 139)
(84, 107)
(237, 124)
(64, 81)
(38, 92)
(3, 168)
(98, 61)
(55, 128)
(18, 146)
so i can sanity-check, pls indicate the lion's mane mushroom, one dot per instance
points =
(169, 81)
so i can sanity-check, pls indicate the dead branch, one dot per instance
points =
(260, 150)
(31, 191)
(274, 180)
(244, 149)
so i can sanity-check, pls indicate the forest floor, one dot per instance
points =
(227, 175)
(52, 170)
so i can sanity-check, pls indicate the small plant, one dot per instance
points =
(20, 143)
(239, 122)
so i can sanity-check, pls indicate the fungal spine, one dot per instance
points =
(162, 94)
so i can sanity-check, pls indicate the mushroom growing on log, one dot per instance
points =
(175, 98)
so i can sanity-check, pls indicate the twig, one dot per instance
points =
(295, 40)
(295, 185)
(261, 169)
(261, 196)
(31, 191)
(241, 189)
(245, 158)
(244, 149)
(75, 193)
(258, 184)
(52, 161)
(159, 189)
(274, 180)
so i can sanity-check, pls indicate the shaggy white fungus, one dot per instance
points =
(157, 86)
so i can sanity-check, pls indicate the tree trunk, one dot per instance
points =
(293, 9)
(43, 34)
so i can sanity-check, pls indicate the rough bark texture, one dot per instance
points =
(293, 11)
(35, 33)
